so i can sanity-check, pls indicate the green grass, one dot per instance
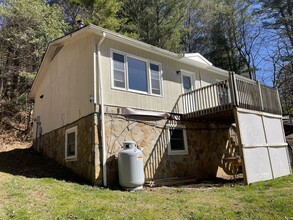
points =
(48, 198)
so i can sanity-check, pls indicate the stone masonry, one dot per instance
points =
(87, 164)
(207, 145)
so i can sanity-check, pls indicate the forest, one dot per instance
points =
(252, 38)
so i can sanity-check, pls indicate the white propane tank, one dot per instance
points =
(130, 167)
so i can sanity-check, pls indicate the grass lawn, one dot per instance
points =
(30, 190)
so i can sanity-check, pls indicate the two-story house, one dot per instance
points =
(96, 88)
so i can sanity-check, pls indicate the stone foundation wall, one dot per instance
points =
(207, 145)
(87, 164)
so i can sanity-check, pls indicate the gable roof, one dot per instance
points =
(198, 57)
(54, 47)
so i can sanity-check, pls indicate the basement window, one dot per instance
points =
(71, 144)
(177, 141)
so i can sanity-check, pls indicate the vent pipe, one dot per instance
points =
(80, 23)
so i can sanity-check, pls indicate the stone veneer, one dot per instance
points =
(207, 145)
(87, 164)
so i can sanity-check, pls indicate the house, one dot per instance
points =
(96, 88)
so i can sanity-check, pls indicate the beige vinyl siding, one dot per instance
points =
(67, 85)
(208, 77)
(171, 84)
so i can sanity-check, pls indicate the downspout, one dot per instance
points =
(102, 112)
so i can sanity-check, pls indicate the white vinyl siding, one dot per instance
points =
(136, 74)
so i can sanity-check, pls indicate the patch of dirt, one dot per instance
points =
(13, 139)
(4, 147)
(8, 141)
(203, 186)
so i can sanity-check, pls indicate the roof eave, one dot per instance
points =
(129, 41)
(135, 43)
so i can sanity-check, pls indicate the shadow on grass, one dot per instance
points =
(29, 163)
(210, 183)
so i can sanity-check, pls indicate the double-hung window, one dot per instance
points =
(177, 141)
(135, 74)
(119, 70)
(155, 79)
(71, 144)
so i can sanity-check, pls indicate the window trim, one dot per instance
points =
(68, 131)
(189, 74)
(148, 74)
(177, 152)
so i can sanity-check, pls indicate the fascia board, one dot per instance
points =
(135, 43)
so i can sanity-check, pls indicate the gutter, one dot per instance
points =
(102, 110)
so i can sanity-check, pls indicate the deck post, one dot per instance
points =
(183, 103)
(260, 95)
(235, 89)
(234, 92)
(279, 101)
(232, 95)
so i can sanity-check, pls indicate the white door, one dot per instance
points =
(187, 85)
(187, 82)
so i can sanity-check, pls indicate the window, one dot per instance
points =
(187, 82)
(177, 141)
(71, 143)
(155, 79)
(131, 73)
(137, 74)
(119, 69)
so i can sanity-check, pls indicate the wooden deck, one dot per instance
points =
(217, 101)
(223, 117)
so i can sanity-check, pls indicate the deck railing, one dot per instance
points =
(235, 92)
(209, 99)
